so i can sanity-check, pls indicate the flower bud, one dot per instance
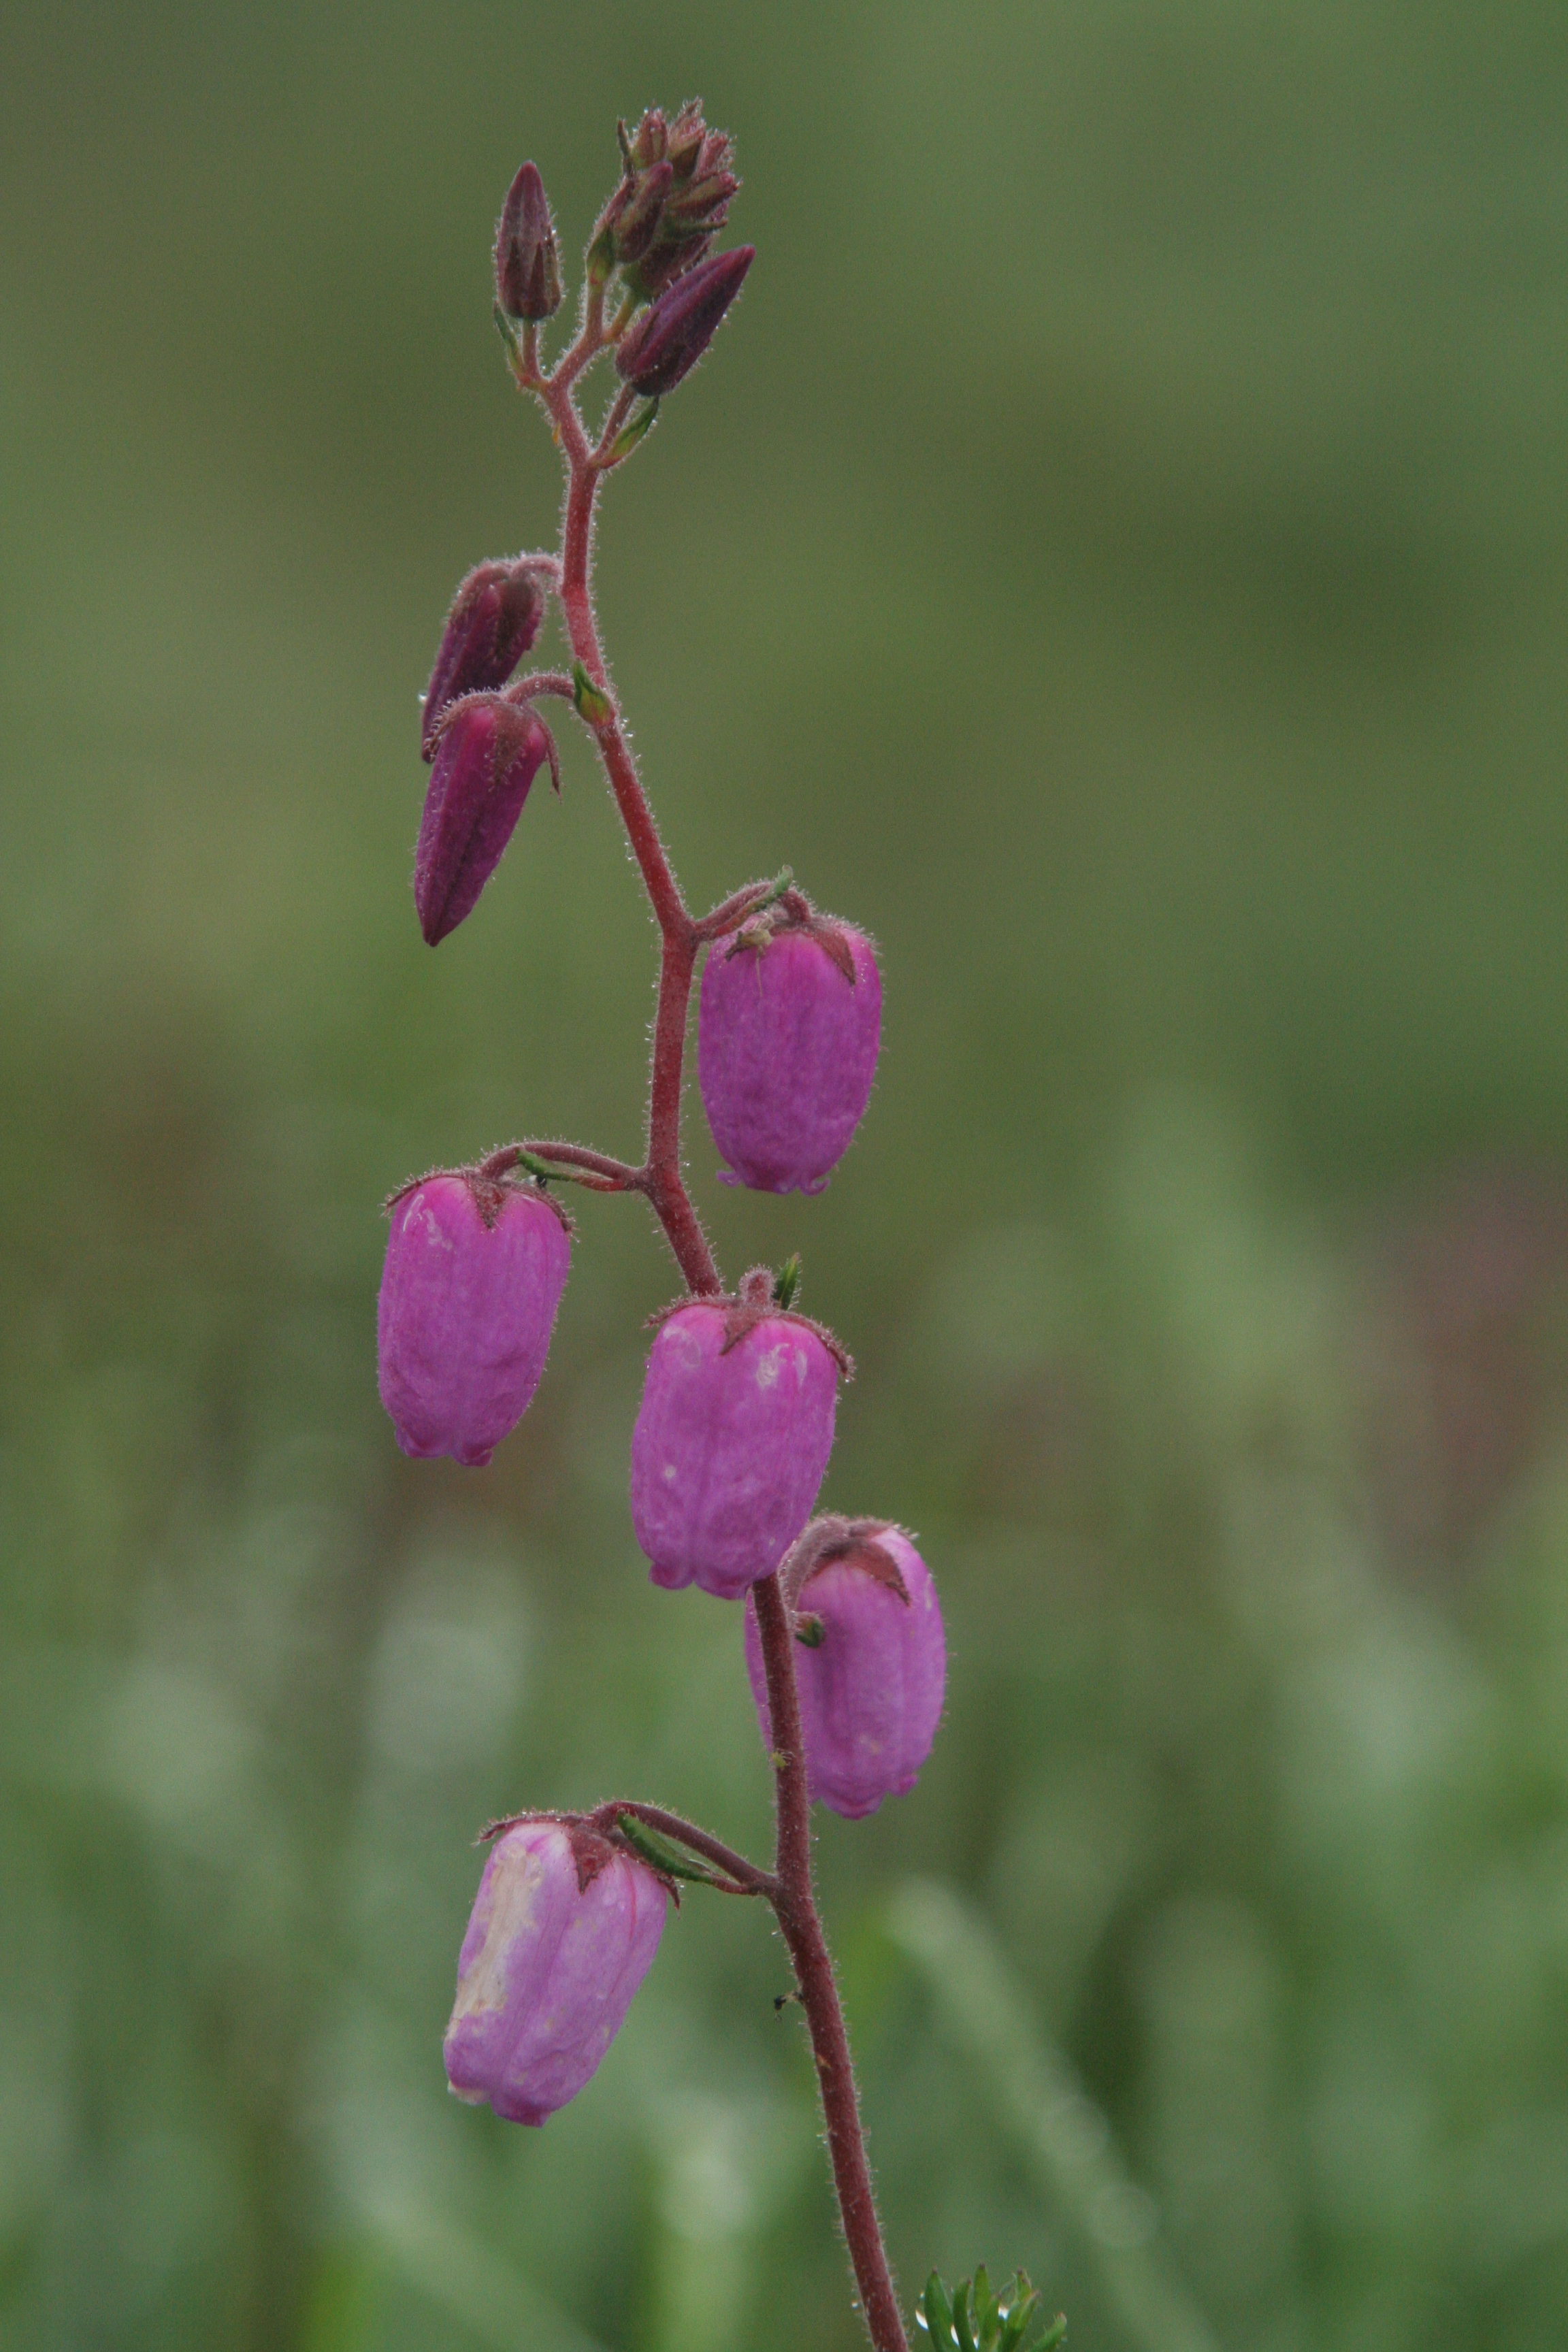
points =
(732, 1441)
(564, 1930)
(787, 1034)
(528, 269)
(666, 263)
(871, 1677)
(667, 340)
(696, 202)
(649, 144)
(636, 209)
(488, 752)
(495, 617)
(475, 1268)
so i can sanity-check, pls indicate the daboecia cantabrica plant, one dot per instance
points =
(842, 1631)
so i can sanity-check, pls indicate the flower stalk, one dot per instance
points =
(789, 1888)
(607, 1875)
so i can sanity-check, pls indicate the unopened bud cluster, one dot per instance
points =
(735, 1430)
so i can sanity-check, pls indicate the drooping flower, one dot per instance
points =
(564, 1930)
(732, 1439)
(475, 1268)
(488, 753)
(787, 1036)
(871, 1662)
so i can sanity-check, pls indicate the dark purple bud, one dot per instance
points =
(528, 270)
(703, 203)
(496, 615)
(488, 753)
(667, 342)
(563, 1931)
(871, 1665)
(666, 263)
(694, 148)
(636, 211)
(702, 165)
(475, 1268)
(786, 1050)
(730, 1444)
(650, 142)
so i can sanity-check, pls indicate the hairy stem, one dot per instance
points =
(789, 1888)
(610, 1175)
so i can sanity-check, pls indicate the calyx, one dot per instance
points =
(832, 1542)
(793, 911)
(755, 1302)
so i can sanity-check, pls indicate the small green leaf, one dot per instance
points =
(1054, 2334)
(600, 258)
(961, 2327)
(786, 1282)
(663, 1853)
(937, 2311)
(630, 434)
(984, 2304)
(592, 702)
(1016, 2307)
(1023, 2308)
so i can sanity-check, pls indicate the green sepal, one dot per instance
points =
(631, 433)
(664, 1853)
(963, 2333)
(591, 701)
(787, 1283)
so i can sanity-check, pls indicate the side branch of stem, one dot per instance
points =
(687, 1833)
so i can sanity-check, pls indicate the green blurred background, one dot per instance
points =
(1116, 552)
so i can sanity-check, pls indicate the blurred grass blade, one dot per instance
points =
(1061, 2135)
(459, 2272)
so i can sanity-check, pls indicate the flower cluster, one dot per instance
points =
(842, 1633)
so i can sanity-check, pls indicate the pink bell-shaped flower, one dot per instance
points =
(475, 1268)
(871, 1662)
(732, 1439)
(564, 1930)
(790, 1022)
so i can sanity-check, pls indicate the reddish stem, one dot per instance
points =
(617, 1176)
(790, 1888)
